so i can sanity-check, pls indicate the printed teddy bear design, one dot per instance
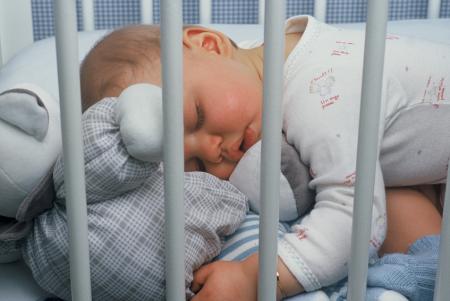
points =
(322, 86)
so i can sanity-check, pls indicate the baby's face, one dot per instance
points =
(222, 113)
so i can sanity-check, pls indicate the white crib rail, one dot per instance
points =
(261, 10)
(172, 78)
(320, 10)
(367, 153)
(74, 181)
(205, 11)
(88, 15)
(146, 11)
(16, 27)
(442, 288)
(434, 8)
(271, 147)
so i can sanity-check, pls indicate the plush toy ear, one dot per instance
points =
(30, 136)
(140, 117)
(24, 109)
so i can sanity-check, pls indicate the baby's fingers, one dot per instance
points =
(200, 277)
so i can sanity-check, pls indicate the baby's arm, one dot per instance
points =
(229, 280)
(317, 251)
(323, 236)
(411, 215)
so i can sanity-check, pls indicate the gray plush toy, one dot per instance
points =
(31, 141)
(296, 198)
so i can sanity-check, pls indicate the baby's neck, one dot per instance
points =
(291, 39)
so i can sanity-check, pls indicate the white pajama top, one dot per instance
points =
(322, 81)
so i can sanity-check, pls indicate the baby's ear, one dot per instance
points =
(201, 38)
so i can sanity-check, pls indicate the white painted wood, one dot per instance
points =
(16, 27)
(66, 42)
(261, 9)
(88, 15)
(205, 11)
(442, 289)
(434, 8)
(320, 10)
(147, 11)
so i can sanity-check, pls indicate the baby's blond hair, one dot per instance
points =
(125, 56)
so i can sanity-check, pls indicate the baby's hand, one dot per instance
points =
(226, 281)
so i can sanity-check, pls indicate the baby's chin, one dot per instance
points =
(223, 171)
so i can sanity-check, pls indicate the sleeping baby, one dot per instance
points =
(222, 120)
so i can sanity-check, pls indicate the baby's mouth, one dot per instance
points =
(241, 147)
(248, 140)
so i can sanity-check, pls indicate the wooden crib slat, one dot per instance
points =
(172, 78)
(434, 8)
(271, 151)
(442, 288)
(16, 27)
(205, 11)
(367, 153)
(146, 11)
(320, 10)
(88, 15)
(72, 141)
(261, 11)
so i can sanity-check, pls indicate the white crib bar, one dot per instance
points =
(88, 15)
(172, 79)
(374, 48)
(320, 10)
(261, 10)
(271, 150)
(442, 288)
(70, 103)
(14, 15)
(434, 8)
(146, 11)
(205, 11)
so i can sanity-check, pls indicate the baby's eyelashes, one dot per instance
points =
(200, 118)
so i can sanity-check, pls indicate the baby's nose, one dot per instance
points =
(213, 148)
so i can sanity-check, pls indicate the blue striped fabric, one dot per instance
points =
(116, 13)
(245, 241)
